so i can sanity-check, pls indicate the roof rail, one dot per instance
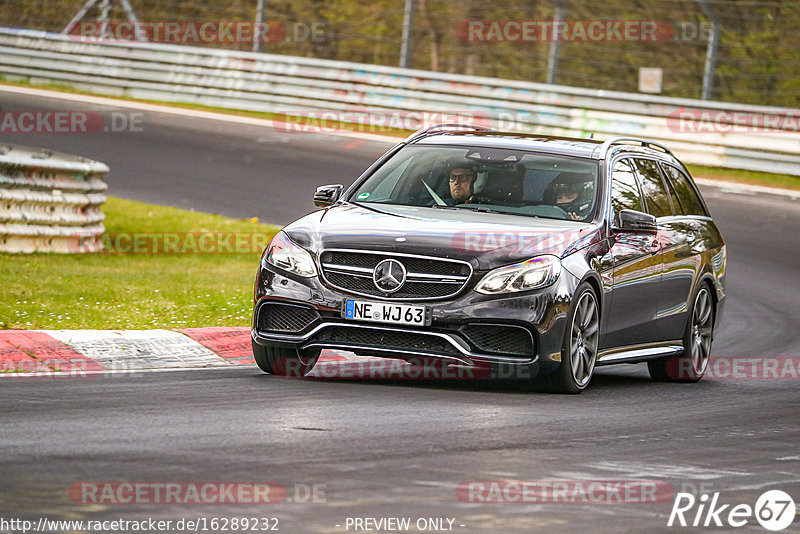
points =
(443, 127)
(608, 143)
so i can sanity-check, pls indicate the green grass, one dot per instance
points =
(114, 290)
(784, 181)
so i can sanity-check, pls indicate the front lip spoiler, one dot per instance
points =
(465, 357)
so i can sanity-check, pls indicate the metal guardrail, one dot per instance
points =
(50, 202)
(284, 84)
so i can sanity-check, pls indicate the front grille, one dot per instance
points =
(384, 339)
(427, 278)
(411, 290)
(279, 317)
(498, 339)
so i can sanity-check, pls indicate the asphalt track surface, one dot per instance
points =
(399, 448)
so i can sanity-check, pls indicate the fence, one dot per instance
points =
(702, 132)
(50, 202)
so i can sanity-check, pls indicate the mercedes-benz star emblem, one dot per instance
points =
(389, 276)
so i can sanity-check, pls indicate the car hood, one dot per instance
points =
(487, 240)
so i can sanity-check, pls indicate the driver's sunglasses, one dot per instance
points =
(468, 177)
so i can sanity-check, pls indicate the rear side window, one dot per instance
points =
(687, 196)
(676, 204)
(653, 190)
(624, 190)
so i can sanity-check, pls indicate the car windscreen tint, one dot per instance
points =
(485, 179)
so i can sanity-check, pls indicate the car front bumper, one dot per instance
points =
(469, 329)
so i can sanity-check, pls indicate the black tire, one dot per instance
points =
(691, 365)
(579, 348)
(283, 361)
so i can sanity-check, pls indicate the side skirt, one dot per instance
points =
(640, 353)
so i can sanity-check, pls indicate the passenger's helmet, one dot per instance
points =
(568, 183)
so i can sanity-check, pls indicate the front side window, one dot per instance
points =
(653, 190)
(624, 189)
(485, 179)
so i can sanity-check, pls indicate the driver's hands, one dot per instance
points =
(574, 216)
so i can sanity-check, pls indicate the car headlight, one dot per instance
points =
(284, 254)
(531, 274)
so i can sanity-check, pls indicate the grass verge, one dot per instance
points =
(184, 288)
(781, 181)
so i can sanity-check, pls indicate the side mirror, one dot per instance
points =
(636, 221)
(327, 195)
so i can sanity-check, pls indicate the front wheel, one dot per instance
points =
(692, 364)
(579, 348)
(283, 361)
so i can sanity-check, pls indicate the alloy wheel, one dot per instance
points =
(701, 331)
(583, 340)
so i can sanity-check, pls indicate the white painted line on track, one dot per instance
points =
(653, 470)
(758, 487)
(82, 373)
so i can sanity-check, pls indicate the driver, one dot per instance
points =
(462, 178)
(572, 192)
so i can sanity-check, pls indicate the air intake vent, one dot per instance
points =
(285, 318)
(385, 339)
(499, 339)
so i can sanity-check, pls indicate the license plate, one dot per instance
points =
(386, 312)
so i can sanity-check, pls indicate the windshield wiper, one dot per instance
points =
(470, 208)
(482, 209)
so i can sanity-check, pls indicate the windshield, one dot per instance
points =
(485, 179)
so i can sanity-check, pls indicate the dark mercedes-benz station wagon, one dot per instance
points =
(494, 249)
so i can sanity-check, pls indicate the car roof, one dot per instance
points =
(565, 146)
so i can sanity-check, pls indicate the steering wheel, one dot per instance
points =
(563, 211)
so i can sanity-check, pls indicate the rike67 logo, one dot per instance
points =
(774, 510)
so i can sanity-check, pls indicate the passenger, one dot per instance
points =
(573, 193)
